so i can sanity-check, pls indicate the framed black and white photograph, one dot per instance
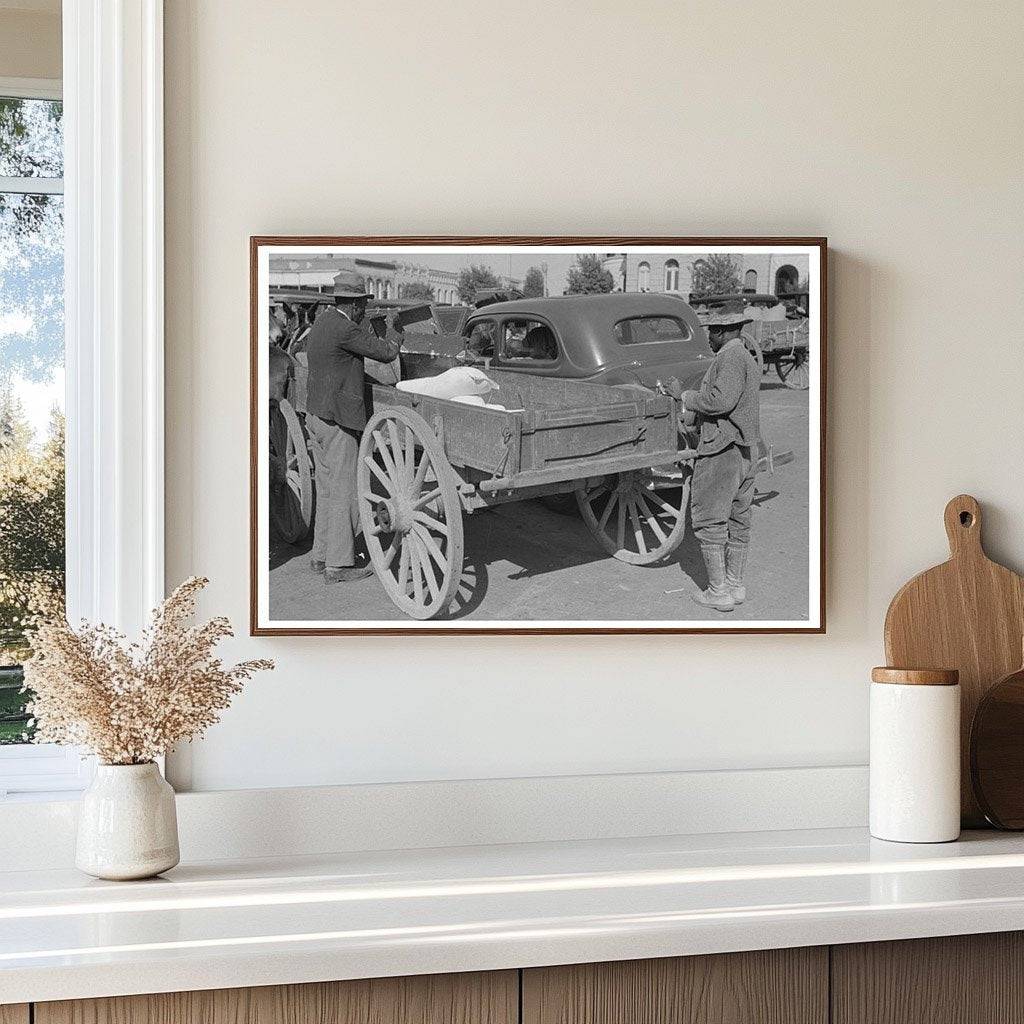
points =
(537, 435)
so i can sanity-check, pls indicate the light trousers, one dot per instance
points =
(336, 521)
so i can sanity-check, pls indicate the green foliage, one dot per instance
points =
(533, 283)
(418, 290)
(474, 279)
(588, 277)
(32, 539)
(717, 274)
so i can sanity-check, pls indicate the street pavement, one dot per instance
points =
(526, 562)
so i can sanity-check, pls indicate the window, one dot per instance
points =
(643, 281)
(648, 330)
(750, 281)
(480, 342)
(786, 280)
(32, 543)
(525, 340)
(671, 275)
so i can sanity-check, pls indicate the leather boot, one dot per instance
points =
(717, 595)
(735, 566)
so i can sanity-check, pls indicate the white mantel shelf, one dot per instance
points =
(352, 915)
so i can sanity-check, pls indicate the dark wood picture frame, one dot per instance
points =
(599, 242)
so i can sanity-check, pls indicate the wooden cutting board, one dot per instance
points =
(967, 614)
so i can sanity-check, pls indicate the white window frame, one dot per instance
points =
(114, 325)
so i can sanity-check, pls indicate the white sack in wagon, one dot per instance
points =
(461, 380)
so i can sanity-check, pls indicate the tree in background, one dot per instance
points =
(31, 549)
(32, 540)
(474, 279)
(533, 283)
(588, 277)
(717, 274)
(418, 290)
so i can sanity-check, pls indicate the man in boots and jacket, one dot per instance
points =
(336, 346)
(726, 408)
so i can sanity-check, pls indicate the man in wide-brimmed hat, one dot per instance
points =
(336, 346)
(726, 408)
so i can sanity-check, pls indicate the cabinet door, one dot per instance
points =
(778, 986)
(482, 998)
(14, 1013)
(962, 979)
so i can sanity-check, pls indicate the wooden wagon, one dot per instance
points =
(784, 345)
(426, 462)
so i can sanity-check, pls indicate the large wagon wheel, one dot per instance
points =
(410, 512)
(637, 516)
(294, 520)
(794, 370)
(751, 342)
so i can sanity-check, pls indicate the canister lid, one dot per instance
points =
(916, 676)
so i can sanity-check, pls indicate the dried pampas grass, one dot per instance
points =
(129, 703)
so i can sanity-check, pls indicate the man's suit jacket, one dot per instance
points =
(336, 347)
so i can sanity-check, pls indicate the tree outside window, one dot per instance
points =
(31, 386)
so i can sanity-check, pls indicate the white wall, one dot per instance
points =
(895, 129)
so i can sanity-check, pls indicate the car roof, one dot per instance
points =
(586, 323)
(616, 304)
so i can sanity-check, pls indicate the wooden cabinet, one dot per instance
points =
(777, 986)
(963, 979)
(971, 979)
(491, 998)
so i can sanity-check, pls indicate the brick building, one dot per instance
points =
(386, 279)
(767, 274)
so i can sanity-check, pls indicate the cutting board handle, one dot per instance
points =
(963, 526)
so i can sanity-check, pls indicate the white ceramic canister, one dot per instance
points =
(127, 825)
(915, 755)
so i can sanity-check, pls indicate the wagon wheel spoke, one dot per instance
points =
(606, 514)
(661, 503)
(620, 530)
(426, 499)
(430, 522)
(429, 544)
(387, 457)
(398, 452)
(651, 518)
(426, 566)
(410, 449)
(389, 555)
(420, 476)
(638, 532)
(416, 567)
(379, 473)
(403, 568)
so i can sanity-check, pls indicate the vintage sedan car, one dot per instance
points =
(630, 338)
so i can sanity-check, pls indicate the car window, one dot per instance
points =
(524, 340)
(480, 341)
(645, 330)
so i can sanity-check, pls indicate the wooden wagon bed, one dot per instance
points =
(426, 461)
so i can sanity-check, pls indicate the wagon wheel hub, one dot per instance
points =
(396, 516)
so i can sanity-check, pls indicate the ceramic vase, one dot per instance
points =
(127, 825)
